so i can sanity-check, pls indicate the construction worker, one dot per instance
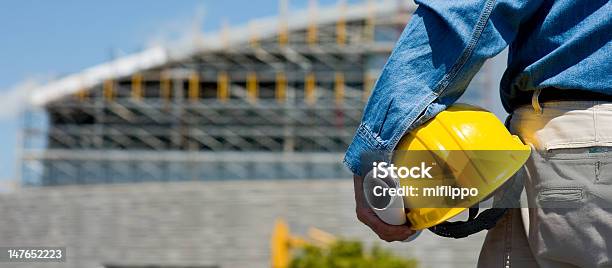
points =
(558, 90)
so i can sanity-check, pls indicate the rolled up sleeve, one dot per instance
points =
(439, 52)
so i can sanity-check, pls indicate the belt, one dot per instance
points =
(557, 94)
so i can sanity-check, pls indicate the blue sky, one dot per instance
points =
(51, 38)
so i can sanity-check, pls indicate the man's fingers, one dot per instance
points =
(385, 231)
(366, 215)
(391, 232)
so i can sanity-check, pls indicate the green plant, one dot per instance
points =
(348, 254)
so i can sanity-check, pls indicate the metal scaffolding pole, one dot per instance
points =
(289, 102)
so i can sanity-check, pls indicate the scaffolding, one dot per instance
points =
(273, 106)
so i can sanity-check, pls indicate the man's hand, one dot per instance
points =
(366, 215)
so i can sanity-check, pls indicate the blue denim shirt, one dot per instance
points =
(561, 44)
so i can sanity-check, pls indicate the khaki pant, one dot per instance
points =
(568, 189)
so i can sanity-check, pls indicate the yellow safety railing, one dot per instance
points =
(193, 90)
(137, 90)
(108, 90)
(252, 86)
(339, 87)
(164, 86)
(309, 88)
(281, 87)
(222, 86)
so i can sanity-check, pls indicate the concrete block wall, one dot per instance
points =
(223, 224)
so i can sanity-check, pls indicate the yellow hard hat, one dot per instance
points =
(475, 148)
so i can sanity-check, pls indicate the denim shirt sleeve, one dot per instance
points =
(438, 53)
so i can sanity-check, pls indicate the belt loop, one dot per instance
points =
(535, 102)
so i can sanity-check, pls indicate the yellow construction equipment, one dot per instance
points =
(282, 242)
